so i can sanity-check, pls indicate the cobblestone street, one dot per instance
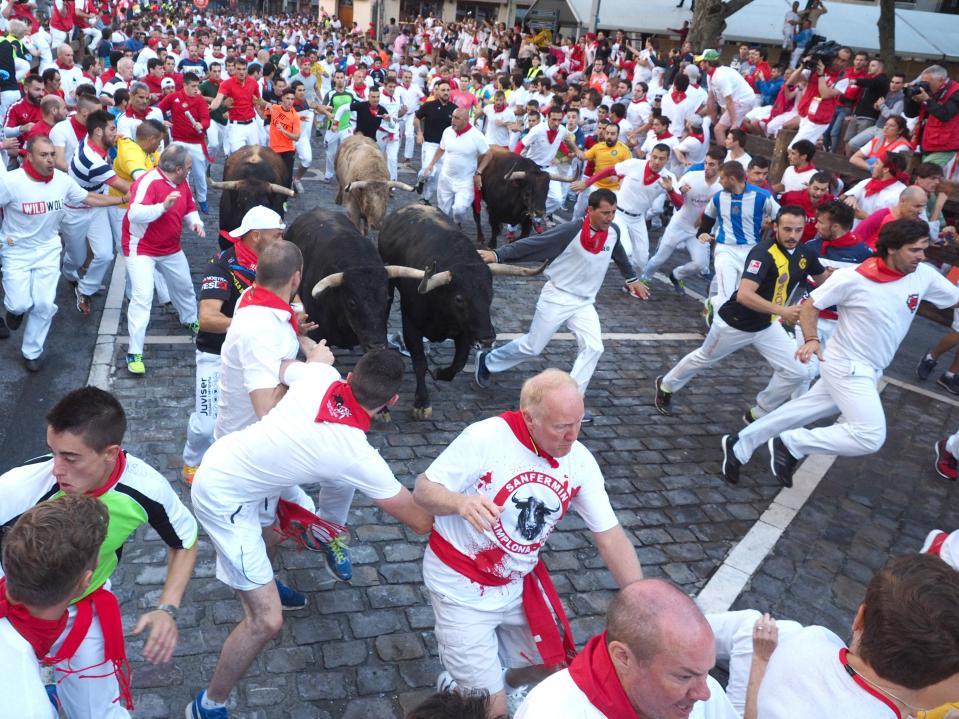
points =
(366, 649)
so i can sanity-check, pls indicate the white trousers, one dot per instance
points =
(199, 430)
(93, 39)
(679, 235)
(215, 134)
(952, 445)
(427, 150)
(809, 131)
(455, 198)
(304, 150)
(30, 288)
(742, 109)
(773, 343)
(238, 136)
(331, 140)
(78, 227)
(391, 149)
(198, 170)
(554, 308)
(728, 261)
(409, 136)
(58, 37)
(636, 238)
(825, 329)
(176, 271)
(844, 387)
(733, 632)
(555, 196)
(776, 124)
(87, 694)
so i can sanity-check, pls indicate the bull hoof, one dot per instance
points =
(421, 414)
(382, 420)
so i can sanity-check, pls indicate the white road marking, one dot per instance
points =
(101, 364)
(638, 337)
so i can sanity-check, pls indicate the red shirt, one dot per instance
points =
(801, 198)
(41, 128)
(154, 231)
(154, 83)
(177, 79)
(242, 95)
(868, 230)
(22, 112)
(178, 104)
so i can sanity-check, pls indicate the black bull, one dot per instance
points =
(457, 305)
(253, 175)
(514, 190)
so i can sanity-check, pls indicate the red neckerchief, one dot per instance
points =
(677, 96)
(847, 240)
(466, 128)
(514, 419)
(130, 112)
(593, 672)
(551, 135)
(244, 255)
(101, 151)
(33, 174)
(375, 111)
(698, 135)
(592, 242)
(854, 675)
(875, 186)
(649, 177)
(639, 101)
(261, 297)
(664, 136)
(42, 634)
(79, 129)
(361, 91)
(498, 108)
(876, 269)
(545, 620)
(62, 66)
(804, 168)
(339, 406)
(935, 549)
(118, 469)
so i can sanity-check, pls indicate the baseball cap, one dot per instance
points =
(167, 82)
(708, 56)
(259, 218)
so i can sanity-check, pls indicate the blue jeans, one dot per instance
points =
(834, 132)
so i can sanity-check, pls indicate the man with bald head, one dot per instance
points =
(70, 74)
(652, 661)
(497, 493)
(464, 153)
(911, 206)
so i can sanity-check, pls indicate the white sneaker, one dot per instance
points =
(445, 682)
(298, 186)
(515, 699)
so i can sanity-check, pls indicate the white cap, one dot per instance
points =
(167, 82)
(259, 218)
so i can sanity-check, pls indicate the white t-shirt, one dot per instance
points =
(875, 316)
(257, 341)
(539, 148)
(62, 135)
(20, 685)
(651, 141)
(497, 134)
(289, 447)
(487, 460)
(793, 180)
(743, 159)
(634, 195)
(726, 81)
(462, 153)
(886, 197)
(588, 120)
(412, 97)
(32, 212)
(806, 679)
(638, 113)
(693, 149)
(558, 697)
(696, 199)
(678, 112)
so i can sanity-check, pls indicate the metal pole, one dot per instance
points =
(597, 4)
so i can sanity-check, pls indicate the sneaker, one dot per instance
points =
(950, 384)
(781, 462)
(708, 312)
(396, 341)
(338, 559)
(931, 538)
(662, 397)
(298, 186)
(925, 367)
(481, 374)
(204, 207)
(188, 473)
(83, 302)
(4, 330)
(946, 465)
(290, 599)
(13, 321)
(515, 698)
(33, 365)
(749, 417)
(194, 327)
(678, 285)
(731, 465)
(445, 682)
(195, 710)
(587, 418)
(135, 364)
(511, 236)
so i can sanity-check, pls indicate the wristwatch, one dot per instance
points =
(169, 609)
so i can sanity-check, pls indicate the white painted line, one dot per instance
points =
(690, 293)
(638, 337)
(159, 340)
(101, 364)
(920, 390)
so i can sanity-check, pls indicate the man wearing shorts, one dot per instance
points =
(498, 492)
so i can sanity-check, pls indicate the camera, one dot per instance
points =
(915, 88)
(824, 52)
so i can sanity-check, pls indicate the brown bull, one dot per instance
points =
(364, 182)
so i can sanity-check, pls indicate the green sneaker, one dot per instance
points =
(135, 364)
(194, 327)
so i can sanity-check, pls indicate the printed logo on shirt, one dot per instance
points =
(532, 504)
(912, 302)
(214, 283)
(41, 208)
(802, 263)
(754, 266)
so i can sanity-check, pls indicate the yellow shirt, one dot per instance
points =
(939, 713)
(604, 156)
(131, 158)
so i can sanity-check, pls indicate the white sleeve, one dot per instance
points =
(482, 145)
(592, 502)
(941, 292)
(371, 475)
(143, 214)
(75, 193)
(461, 463)
(57, 136)
(834, 290)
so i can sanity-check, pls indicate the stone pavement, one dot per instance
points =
(367, 650)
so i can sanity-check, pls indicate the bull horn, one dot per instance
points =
(358, 185)
(397, 272)
(438, 280)
(561, 178)
(518, 175)
(503, 270)
(401, 186)
(225, 185)
(281, 190)
(334, 280)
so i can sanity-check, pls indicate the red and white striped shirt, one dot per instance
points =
(149, 229)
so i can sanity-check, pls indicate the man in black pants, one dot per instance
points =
(430, 121)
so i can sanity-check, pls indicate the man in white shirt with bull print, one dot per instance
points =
(497, 493)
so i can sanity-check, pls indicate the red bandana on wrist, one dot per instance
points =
(517, 424)
(339, 406)
(261, 297)
(876, 269)
(593, 672)
(33, 174)
(592, 242)
(649, 177)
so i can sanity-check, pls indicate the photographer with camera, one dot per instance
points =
(935, 100)
(823, 66)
